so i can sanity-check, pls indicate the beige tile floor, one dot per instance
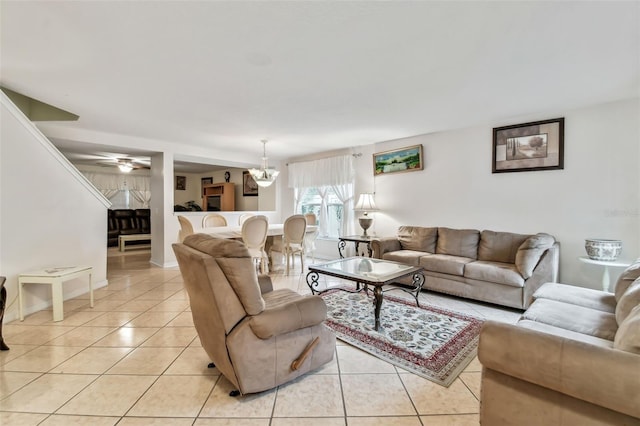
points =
(135, 359)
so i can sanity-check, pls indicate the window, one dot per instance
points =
(328, 208)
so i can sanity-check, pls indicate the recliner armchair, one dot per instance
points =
(258, 337)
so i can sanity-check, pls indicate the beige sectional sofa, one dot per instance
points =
(497, 267)
(572, 359)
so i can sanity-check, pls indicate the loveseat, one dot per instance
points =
(573, 358)
(497, 267)
(127, 222)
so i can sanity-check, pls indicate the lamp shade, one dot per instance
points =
(366, 203)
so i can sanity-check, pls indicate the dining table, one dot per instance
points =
(235, 232)
(230, 232)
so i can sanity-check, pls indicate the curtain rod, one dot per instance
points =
(356, 155)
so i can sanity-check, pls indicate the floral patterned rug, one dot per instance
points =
(432, 342)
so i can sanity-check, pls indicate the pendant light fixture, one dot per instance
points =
(266, 175)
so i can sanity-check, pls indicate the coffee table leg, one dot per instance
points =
(418, 282)
(377, 293)
(312, 282)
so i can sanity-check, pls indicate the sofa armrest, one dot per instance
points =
(603, 376)
(380, 246)
(266, 286)
(300, 313)
(546, 271)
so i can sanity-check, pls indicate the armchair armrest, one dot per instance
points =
(300, 313)
(380, 246)
(603, 376)
(545, 271)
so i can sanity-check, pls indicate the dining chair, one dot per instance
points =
(213, 219)
(243, 217)
(292, 241)
(186, 228)
(254, 236)
(310, 237)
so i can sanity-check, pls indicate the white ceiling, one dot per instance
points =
(314, 76)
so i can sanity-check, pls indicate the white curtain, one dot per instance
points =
(335, 172)
(326, 172)
(110, 184)
(140, 189)
(345, 195)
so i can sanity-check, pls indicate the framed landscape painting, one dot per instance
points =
(530, 146)
(407, 159)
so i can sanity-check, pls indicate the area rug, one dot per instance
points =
(429, 341)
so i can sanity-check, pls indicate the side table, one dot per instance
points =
(3, 301)
(356, 239)
(54, 277)
(607, 264)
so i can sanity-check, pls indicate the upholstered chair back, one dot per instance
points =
(223, 288)
(213, 220)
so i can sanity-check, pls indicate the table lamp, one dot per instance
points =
(365, 204)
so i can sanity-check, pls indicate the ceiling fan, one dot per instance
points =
(125, 164)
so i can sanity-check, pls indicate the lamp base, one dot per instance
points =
(365, 223)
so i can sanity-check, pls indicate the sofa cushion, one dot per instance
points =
(445, 264)
(627, 277)
(458, 242)
(409, 257)
(628, 335)
(418, 238)
(499, 246)
(563, 332)
(572, 317)
(530, 251)
(495, 272)
(587, 297)
(629, 300)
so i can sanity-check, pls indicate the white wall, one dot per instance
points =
(49, 214)
(597, 195)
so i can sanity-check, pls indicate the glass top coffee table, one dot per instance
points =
(367, 272)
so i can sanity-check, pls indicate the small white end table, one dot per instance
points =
(54, 277)
(607, 264)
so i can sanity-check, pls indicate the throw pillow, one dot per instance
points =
(626, 279)
(629, 300)
(458, 242)
(499, 246)
(530, 251)
(628, 334)
(418, 238)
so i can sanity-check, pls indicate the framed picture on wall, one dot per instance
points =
(181, 183)
(531, 146)
(407, 159)
(249, 185)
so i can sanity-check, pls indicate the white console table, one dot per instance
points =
(54, 277)
(607, 264)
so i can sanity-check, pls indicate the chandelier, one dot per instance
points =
(266, 175)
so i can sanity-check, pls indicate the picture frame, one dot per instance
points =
(249, 185)
(205, 181)
(407, 159)
(181, 183)
(538, 145)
